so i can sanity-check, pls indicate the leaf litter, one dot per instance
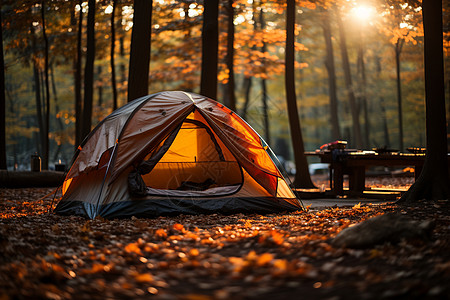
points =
(46, 256)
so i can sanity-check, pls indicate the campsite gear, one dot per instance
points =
(35, 163)
(174, 153)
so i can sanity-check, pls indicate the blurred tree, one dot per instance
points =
(210, 49)
(138, 73)
(433, 182)
(330, 66)
(78, 76)
(112, 61)
(89, 72)
(46, 145)
(2, 100)
(229, 95)
(348, 83)
(402, 25)
(302, 176)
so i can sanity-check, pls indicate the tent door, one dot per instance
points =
(191, 159)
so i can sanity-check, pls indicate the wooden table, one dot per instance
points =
(354, 163)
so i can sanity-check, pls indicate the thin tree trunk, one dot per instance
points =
(100, 87)
(58, 120)
(302, 177)
(433, 183)
(387, 142)
(78, 98)
(231, 100)
(3, 165)
(113, 65)
(46, 145)
(210, 49)
(140, 49)
(398, 50)
(37, 92)
(363, 94)
(13, 137)
(332, 90)
(247, 84)
(348, 83)
(89, 71)
(247, 90)
(262, 23)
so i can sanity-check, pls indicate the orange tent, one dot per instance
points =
(171, 153)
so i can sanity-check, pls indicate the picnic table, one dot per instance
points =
(355, 162)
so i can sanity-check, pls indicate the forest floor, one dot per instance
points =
(278, 256)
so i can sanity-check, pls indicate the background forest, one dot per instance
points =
(352, 57)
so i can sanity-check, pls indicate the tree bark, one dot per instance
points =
(37, 91)
(387, 142)
(362, 93)
(78, 97)
(262, 23)
(113, 45)
(58, 120)
(332, 90)
(3, 165)
(348, 84)
(302, 177)
(210, 49)
(138, 74)
(231, 96)
(89, 72)
(247, 89)
(46, 144)
(398, 50)
(433, 183)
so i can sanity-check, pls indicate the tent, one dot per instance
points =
(174, 153)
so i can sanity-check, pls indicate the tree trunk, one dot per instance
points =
(113, 45)
(3, 165)
(78, 98)
(247, 84)
(231, 99)
(138, 73)
(302, 177)
(89, 71)
(348, 84)
(99, 86)
(362, 94)
(46, 145)
(37, 91)
(247, 89)
(332, 90)
(387, 142)
(210, 49)
(262, 23)
(433, 183)
(398, 50)
(59, 135)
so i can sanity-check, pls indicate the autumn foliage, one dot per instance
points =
(212, 256)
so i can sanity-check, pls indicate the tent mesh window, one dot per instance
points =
(195, 161)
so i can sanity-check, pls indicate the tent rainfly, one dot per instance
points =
(174, 153)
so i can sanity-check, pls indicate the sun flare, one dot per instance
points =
(363, 13)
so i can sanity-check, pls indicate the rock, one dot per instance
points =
(381, 229)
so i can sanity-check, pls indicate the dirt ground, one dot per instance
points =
(278, 256)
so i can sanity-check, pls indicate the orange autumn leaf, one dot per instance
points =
(133, 248)
(264, 259)
(178, 227)
(143, 278)
(161, 233)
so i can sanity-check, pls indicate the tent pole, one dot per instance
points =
(104, 178)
